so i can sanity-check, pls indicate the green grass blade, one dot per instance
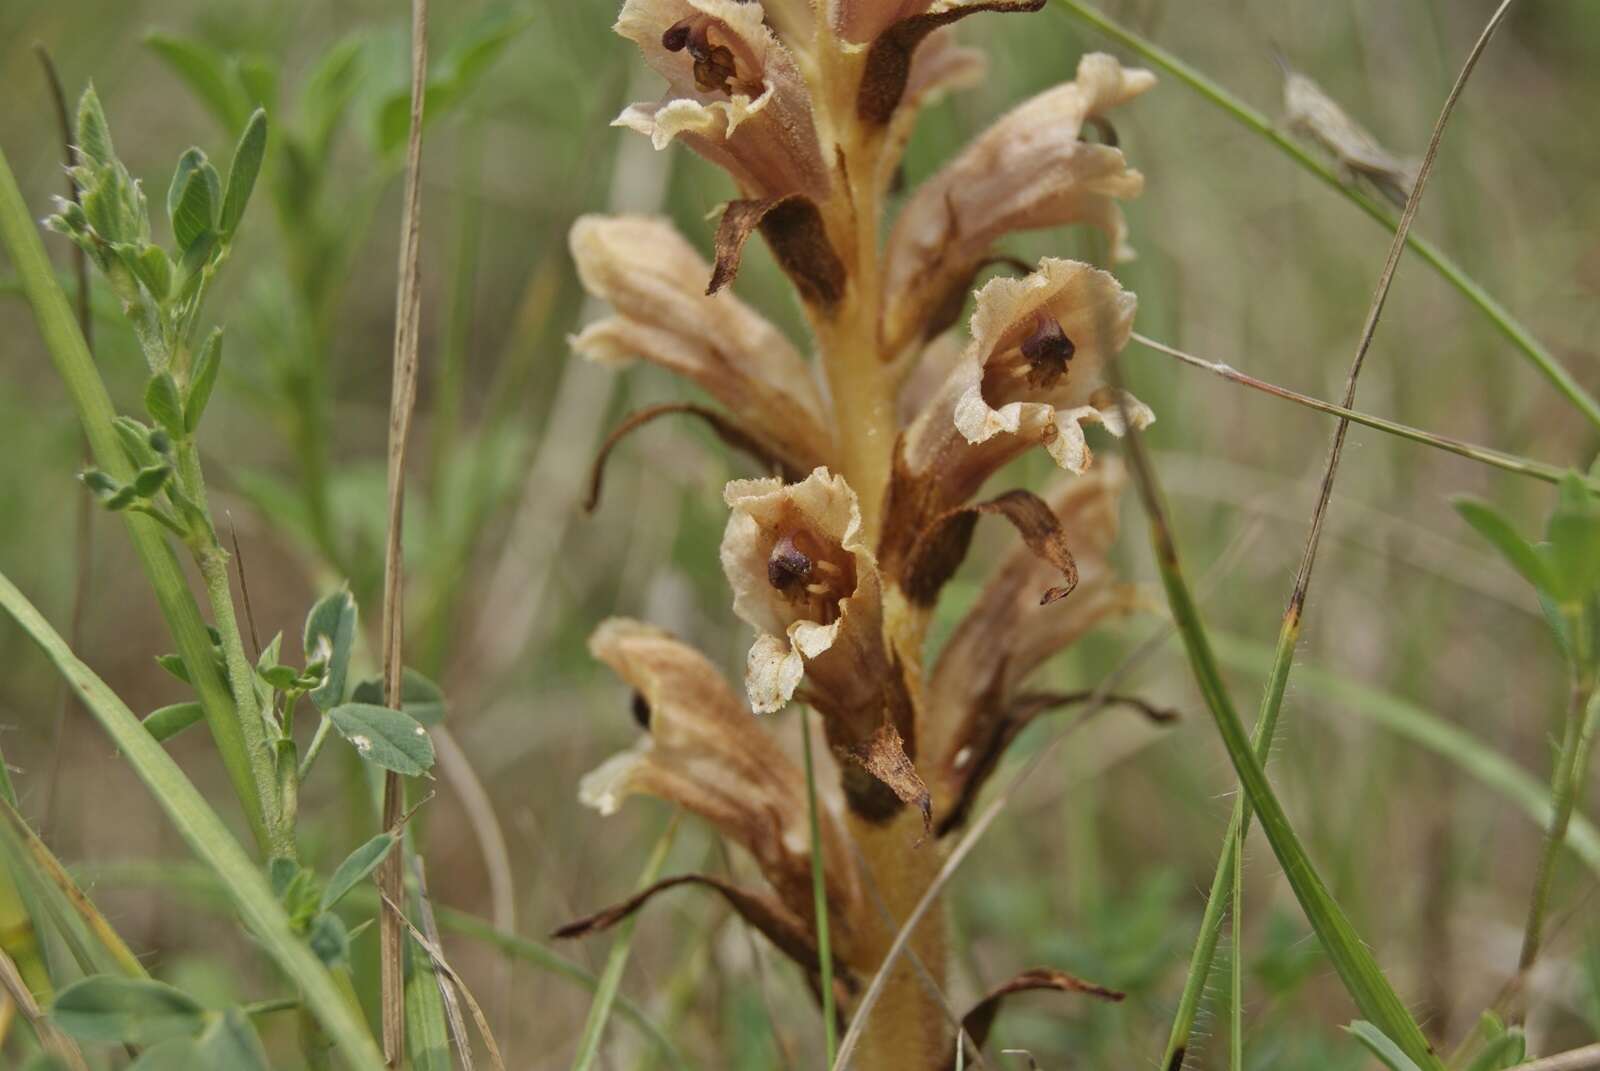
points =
(206, 836)
(819, 895)
(1518, 335)
(605, 993)
(427, 1033)
(96, 941)
(1380, 1045)
(1350, 957)
(1425, 729)
(240, 742)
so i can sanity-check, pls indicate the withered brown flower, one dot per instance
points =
(703, 750)
(885, 438)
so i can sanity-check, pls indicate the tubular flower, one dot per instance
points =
(702, 750)
(654, 279)
(884, 438)
(1036, 366)
(1031, 169)
(734, 92)
(804, 578)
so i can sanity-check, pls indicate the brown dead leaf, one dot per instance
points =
(942, 546)
(786, 930)
(725, 428)
(883, 79)
(793, 228)
(978, 1021)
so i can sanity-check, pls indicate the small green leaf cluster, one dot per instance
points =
(154, 489)
(310, 903)
(1564, 568)
(161, 290)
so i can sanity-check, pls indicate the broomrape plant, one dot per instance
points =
(881, 443)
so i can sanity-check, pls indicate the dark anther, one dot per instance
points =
(676, 39)
(1047, 349)
(714, 71)
(1103, 127)
(641, 711)
(714, 67)
(787, 565)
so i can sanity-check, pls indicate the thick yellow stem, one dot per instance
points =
(907, 1030)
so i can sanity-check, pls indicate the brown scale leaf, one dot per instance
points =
(999, 733)
(943, 545)
(980, 1019)
(793, 228)
(786, 930)
(883, 755)
(883, 79)
(720, 423)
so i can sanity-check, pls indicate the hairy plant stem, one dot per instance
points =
(819, 893)
(212, 562)
(1566, 787)
(862, 384)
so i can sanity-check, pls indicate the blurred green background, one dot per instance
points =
(1099, 867)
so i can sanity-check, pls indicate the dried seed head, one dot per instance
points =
(1047, 349)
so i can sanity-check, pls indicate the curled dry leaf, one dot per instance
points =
(883, 755)
(794, 229)
(940, 549)
(725, 428)
(985, 754)
(980, 1019)
(790, 933)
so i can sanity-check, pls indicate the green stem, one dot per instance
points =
(1522, 466)
(819, 893)
(605, 994)
(1205, 949)
(212, 561)
(315, 747)
(1572, 765)
(71, 356)
(1518, 335)
(1236, 1001)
